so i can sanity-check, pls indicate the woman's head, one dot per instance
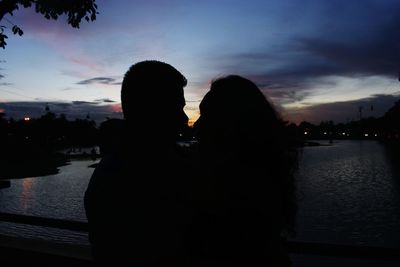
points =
(238, 127)
(238, 95)
(236, 117)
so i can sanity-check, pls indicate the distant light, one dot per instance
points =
(325, 133)
(180, 135)
(366, 135)
(27, 119)
(305, 133)
(344, 133)
(376, 135)
(26, 137)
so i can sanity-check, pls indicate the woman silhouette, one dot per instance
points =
(246, 205)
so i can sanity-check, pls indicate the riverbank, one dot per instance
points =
(29, 162)
(31, 167)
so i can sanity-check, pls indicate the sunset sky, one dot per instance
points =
(314, 59)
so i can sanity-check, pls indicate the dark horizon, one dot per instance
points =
(341, 112)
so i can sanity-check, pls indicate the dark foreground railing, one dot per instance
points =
(45, 222)
(339, 250)
(19, 251)
(294, 247)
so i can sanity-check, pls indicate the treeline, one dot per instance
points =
(52, 132)
(49, 131)
(386, 127)
(30, 146)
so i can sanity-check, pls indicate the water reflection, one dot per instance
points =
(26, 194)
(348, 195)
(55, 196)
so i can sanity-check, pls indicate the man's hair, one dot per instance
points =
(153, 81)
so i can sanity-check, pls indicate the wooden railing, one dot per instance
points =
(45, 222)
(294, 247)
(340, 250)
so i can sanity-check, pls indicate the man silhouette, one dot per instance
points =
(136, 200)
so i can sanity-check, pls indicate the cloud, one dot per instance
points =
(354, 40)
(5, 84)
(343, 111)
(84, 103)
(344, 39)
(1, 76)
(282, 96)
(378, 55)
(73, 73)
(61, 38)
(100, 80)
(61, 105)
(105, 100)
(69, 89)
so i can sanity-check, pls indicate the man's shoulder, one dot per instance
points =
(109, 164)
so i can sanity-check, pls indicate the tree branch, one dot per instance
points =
(75, 10)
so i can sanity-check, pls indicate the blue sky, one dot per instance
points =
(315, 60)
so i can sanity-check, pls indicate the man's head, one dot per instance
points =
(152, 96)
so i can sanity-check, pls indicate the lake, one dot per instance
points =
(56, 196)
(348, 193)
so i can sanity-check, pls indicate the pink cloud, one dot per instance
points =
(117, 108)
(60, 37)
(33, 24)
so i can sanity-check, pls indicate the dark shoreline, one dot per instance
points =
(31, 168)
(36, 167)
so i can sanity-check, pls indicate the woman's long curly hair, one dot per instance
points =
(237, 119)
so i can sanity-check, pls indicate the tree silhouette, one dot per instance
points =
(75, 10)
(392, 118)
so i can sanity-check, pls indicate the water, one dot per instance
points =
(349, 193)
(55, 196)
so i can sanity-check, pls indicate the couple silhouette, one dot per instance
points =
(229, 203)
